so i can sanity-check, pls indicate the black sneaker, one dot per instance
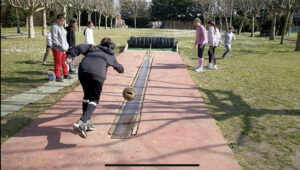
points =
(90, 126)
(68, 77)
(80, 128)
(59, 79)
(72, 72)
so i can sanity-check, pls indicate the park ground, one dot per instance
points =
(253, 96)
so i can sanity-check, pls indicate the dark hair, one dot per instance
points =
(107, 42)
(90, 22)
(60, 16)
(213, 24)
(197, 20)
(73, 20)
(230, 28)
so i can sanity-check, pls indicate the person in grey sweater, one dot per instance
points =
(59, 47)
(228, 37)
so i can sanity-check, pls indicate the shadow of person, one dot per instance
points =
(53, 134)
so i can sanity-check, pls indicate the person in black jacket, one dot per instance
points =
(71, 39)
(92, 74)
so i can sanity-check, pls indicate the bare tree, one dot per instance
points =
(64, 4)
(89, 7)
(298, 41)
(207, 8)
(46, 4)
(29, 7)
(255, 7)
(133, 8)
(244, 6)
(108, 10)
(287, 7)
(271, 6)
(223, 10)
(226, 11)
(99, 6)
(79, 7)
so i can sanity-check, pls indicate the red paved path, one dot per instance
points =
(175, 126)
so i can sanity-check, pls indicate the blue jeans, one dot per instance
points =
(228, 49)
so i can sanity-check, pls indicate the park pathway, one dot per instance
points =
(175, 127)
(18, 101)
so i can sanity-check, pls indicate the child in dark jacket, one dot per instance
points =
(71, 39)
(92, 74)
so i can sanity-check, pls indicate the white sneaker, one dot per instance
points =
(208, 65)
(213, 67)
(200, 69)
(197, 67)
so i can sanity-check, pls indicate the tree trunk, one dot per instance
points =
(116, 22)
(230, 21)
(134, 21)
(44, 32)
(289, 29)
(221, 25)
(205, 19)
(99, 21)
(252, 26)
(174, 24)
(89, 16)
(105, 22)
(286, 20)
(241, 25)
(298, 41)
(226, 21)
(27, 21)
(31, 33)
(65, 13)
(231, 13)
(79, 15)
(111, 22)
(273, 28)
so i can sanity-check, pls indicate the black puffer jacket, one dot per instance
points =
(96, 61)
(71, 39)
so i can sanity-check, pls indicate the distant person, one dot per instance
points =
(228, 37)
(48, 47)
(214, 38)
(88, 34)
(201, 41)
(59, 47)
(71, 39)
(92, 74)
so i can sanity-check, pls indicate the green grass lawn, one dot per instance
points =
(253, 96)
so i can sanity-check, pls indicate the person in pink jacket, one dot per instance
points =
(201, 41)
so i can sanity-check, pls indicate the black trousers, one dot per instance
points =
(211, 54)
(200, 51)
(92, 90)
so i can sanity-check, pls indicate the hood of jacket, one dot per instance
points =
(108, 48)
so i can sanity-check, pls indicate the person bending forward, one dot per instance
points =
(92, 74)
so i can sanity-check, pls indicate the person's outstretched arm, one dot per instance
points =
(79, 49)
(117, 66)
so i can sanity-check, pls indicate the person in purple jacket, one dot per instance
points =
(201, 41)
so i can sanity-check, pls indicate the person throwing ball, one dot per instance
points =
(92, 74)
